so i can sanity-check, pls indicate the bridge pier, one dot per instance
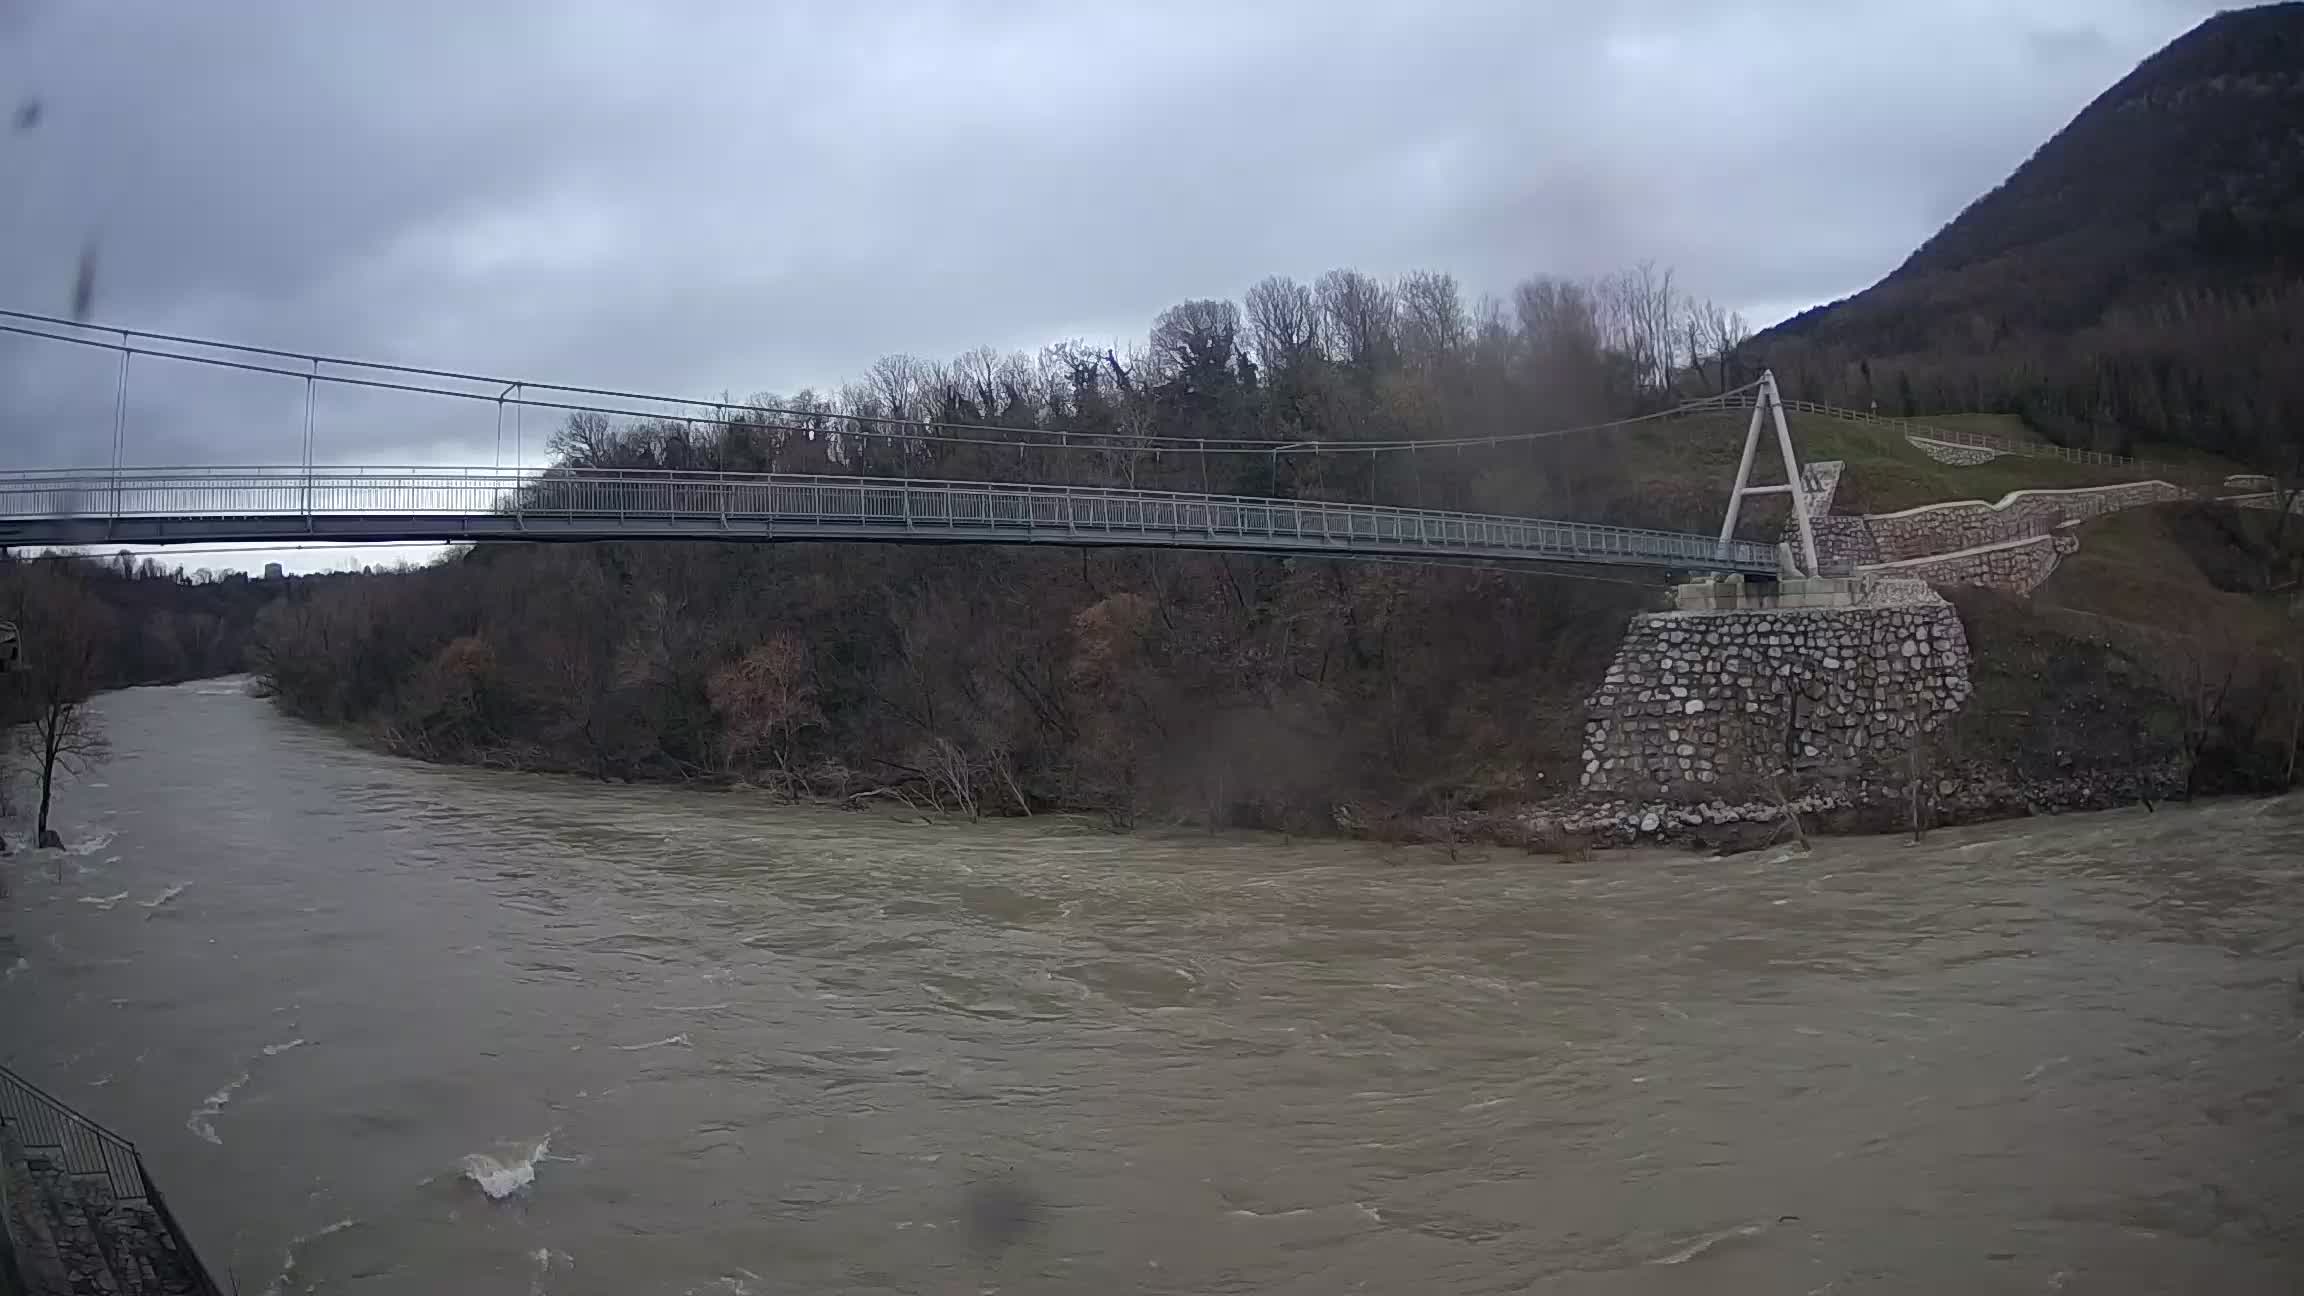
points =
(1814, 681)
(1793, 593)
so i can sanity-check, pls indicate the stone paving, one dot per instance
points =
(67, 1236)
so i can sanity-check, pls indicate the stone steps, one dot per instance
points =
(71, 1238)
(58, 1250)
(32, 1257)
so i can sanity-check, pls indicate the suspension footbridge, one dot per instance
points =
(128, 504)
(142, 506)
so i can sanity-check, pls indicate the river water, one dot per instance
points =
(702, 1043)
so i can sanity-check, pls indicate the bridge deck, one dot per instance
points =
(168, 506)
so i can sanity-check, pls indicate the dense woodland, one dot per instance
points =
(2139, 280)
(154, 624)
(85, 626)
(1219, 689)
(1348, 388)
(1209, 687)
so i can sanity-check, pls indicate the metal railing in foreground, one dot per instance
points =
(41, 1123)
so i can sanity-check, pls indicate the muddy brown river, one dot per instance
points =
(382, 1027)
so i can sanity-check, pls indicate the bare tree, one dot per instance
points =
(1916, 766)
(1637, 309)
(764, 700)
(1712, 335)
(1283, 324)
(1566, 354)
(1196, 340)
(2295, 744)
(1558, 318)
(1433, 325)
(949, 768)
(902, 384)
(587, 440)
(1359, 319)
(64, 629)
(2206, 675)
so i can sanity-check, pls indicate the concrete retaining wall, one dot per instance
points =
(1844, 541)
(2017, 566)
(1858, 543)
(1965, 524)
(2271, 500)
(1841, 541)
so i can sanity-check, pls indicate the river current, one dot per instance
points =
(385, 1027)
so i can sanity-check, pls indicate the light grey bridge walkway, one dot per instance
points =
(146, 506)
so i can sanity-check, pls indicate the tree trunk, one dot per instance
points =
(47, 790)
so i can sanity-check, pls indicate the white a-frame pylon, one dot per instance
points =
(1765, 405)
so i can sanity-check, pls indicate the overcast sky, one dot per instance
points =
(759, 196)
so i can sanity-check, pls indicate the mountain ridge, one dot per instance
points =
(2136, 279)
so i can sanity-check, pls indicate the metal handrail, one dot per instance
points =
(1925, 431)
(42, 1121)
(213, 502)
(202, 1283)
(39, 1121)
(1985, 441)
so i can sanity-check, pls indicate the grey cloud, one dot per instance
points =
(2060, 44)
(729, 197)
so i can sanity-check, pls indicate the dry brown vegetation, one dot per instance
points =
(1211, 688)
(1206, 687)
(2173, 635)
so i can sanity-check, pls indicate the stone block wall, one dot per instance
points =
(1821, 482)
(1952, 452)
(1941, 528)
(1696, 704)
(1894, 589)
(1736, 594)
(2016, 566)
(1844, 541)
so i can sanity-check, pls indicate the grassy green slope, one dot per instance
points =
(1683, 469)
(1675, 474)
(2006, 427)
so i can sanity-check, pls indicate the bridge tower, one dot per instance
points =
(1766, 405)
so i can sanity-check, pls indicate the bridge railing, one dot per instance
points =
(42, 1124)
(1985, 441)
(1920, 428)
(750, 504)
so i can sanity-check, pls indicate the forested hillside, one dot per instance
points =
(2136, 285)
(1216, 688)
(2137, 281)
(154, 624)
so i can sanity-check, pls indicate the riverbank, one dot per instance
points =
(1563, 826)
(1266, 694)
